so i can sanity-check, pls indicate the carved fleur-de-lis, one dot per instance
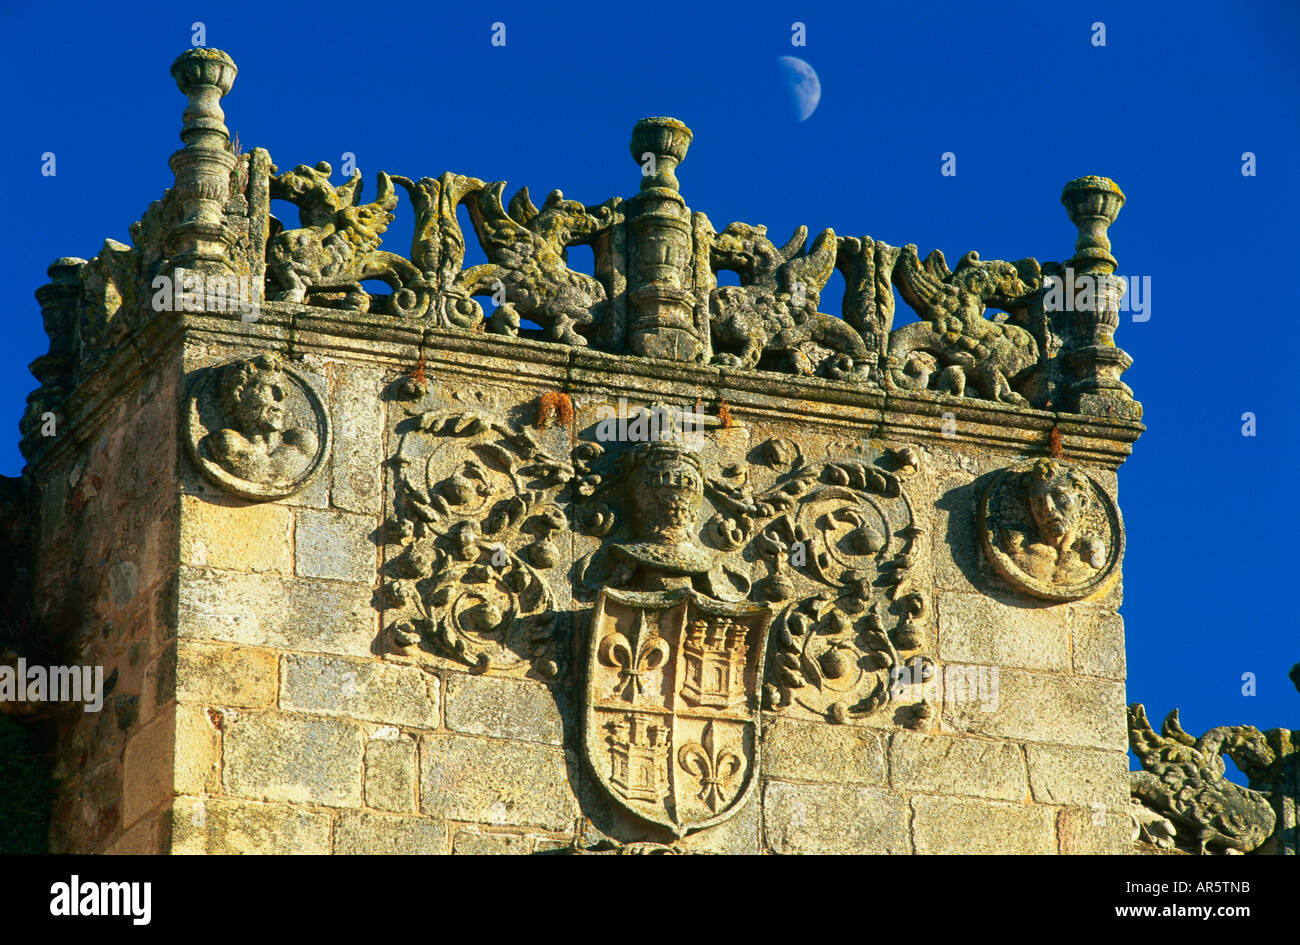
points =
(716, 767)
(636, 658)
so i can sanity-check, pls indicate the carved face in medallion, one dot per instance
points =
(1048, 529)
(257, 428)
(1057, 498)
(255, 401)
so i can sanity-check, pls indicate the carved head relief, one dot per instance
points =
(667, 487)
(257, 428)
(1050, 530)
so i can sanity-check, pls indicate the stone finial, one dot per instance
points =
(204, 76)
(58, 299)
(1093, 361)
(661, 302)
(1093, 203)
(203, 166)
(668, 140)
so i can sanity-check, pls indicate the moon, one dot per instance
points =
(803, 85)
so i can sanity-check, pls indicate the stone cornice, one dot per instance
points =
(833, 405)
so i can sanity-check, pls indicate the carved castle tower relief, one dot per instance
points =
(685, 568)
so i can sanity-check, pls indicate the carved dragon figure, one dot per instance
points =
(991, 355)
(774, 309)
(526, 253)
(1184, 781)
(337, 245)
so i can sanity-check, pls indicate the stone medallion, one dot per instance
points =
(256, 427)
(1050, 530)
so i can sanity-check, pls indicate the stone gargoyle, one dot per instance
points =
(954, 338)
(526, 259)
(337, 245)
(1184, 782)
(774, 309)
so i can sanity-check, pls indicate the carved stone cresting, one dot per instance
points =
(1184, 782)
(955, 343)
(774, 309)
(257, 428)
(337, 245)
(1049, 529)
(1183, 800)
(653, 291)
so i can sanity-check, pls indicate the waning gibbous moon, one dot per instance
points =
(803, 85)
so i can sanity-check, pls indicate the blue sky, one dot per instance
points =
(1017, 91)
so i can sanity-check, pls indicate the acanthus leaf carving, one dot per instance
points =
(477, 505)
(830, 548)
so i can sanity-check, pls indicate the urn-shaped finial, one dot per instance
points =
(1093, 203)
(659, 145)
(204, 75)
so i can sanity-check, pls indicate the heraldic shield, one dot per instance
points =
(673, 681)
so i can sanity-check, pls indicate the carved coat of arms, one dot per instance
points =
(671, 708)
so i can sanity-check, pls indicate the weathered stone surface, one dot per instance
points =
(390, 772)
(1042, 707)
(198, 751)
(256, 427)
(473, 843)
(360, 689)
(358, 414)
(1051, 531)
(235, 535)
(828, 818)
(503, 708)
(141, 840)
(1098, 638)
(955, 543)
(942, 765)
(334, 545)
(242, 677)
(147, 768)
(1183, 780)
(495, 783)
(288, 758)
(1079, 776)
(366, 833)
(980, 629)
(794, 751)
(261, 610)
(1094, 831)
(221, 826)
(955, 825)
(741, 835)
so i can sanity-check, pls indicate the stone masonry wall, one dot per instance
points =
(106, 592)
(265, 713)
